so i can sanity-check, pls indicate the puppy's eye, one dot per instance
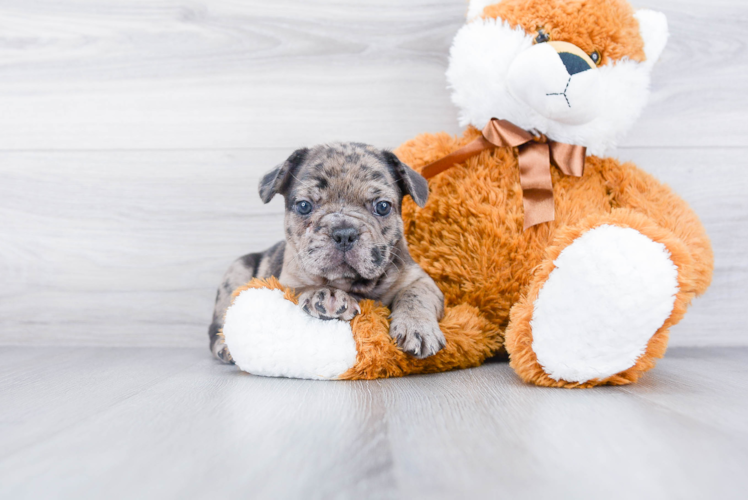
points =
(542, 36)
(303, 207)
(382, 208)
(596, 57)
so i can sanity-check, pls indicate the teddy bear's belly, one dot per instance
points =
(470, 237)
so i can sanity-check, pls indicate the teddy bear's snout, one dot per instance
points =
(558, 81)
(573, 63)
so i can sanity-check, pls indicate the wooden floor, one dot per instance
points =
(141, 423)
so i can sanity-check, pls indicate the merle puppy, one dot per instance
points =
(344, 242)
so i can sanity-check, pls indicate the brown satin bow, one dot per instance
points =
(534, 156)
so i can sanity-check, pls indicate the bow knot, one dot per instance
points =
(541, 138)
(535, 153)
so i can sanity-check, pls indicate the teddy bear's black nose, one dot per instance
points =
(574, 64)
(344, 237)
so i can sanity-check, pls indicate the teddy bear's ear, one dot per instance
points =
(476, 7)
(654, 32)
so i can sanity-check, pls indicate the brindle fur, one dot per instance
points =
(343, 182)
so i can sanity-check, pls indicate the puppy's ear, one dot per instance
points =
(408, 180)
(277, 180)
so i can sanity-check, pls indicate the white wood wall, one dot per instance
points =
(133, 134)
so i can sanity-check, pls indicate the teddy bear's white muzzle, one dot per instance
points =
(557, 81)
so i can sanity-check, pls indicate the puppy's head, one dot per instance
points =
(343, 204)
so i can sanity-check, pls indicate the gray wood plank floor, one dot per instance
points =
(172, 423)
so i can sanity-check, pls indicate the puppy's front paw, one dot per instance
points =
(420, 337)
(329, 303)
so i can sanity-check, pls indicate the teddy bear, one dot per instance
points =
(584, 263)
(573, 263)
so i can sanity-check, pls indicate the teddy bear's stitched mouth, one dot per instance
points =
(564, 92)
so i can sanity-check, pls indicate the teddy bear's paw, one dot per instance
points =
(611, 290)
(420, 337)
(271, 336)
(328, 303)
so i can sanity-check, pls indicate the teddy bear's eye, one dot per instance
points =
(542, 36)
(596, 57)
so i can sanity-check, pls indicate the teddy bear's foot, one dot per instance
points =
(270, 335)
(612, 289)
(601, 307)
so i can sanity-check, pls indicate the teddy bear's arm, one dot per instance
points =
(426, 148)
(637, 190)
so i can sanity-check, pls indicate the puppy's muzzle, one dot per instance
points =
(344, 237)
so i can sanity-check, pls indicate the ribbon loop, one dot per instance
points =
(569, 159)
(534, 156)
(503, 133)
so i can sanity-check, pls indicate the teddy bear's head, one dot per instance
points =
(575, 70)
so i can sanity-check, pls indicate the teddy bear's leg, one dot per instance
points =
(599, 307)
(639, 191)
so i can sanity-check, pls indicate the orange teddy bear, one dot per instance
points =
(585, 292)
(574, 263)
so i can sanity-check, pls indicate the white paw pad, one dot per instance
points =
(271, 336)
(611, 290)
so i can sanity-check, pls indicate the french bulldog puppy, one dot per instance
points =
(344, 243)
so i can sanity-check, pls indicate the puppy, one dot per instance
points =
(344, 243)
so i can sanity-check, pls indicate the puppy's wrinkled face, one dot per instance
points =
(343, 205)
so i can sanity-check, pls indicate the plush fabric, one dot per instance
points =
(690, 282)
(268, 334)
(587, 299)
(469, 238)
(607, 26)
(487, 50)
(600, 314)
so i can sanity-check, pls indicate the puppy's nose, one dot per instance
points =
(344, 237)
